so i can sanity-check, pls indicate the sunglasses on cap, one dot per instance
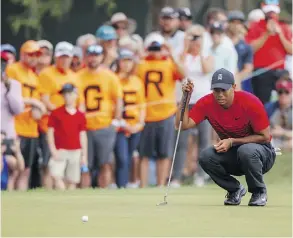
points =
(95, 50)
(155, 46)
(283, 91)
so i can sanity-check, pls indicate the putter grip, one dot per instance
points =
(185, 96)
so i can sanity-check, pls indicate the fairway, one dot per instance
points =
(191, 211)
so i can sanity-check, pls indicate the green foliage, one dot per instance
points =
(288, 6)
(35, 10)
(110, 5)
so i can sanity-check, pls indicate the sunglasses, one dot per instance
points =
(75, 64)
(120, 27)
(280, 92)
(195, 37)
(216, 31)
(94, 50)
(35, 54)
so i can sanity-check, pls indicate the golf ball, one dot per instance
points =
(84, 218)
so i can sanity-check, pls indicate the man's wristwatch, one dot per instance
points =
(231, 142)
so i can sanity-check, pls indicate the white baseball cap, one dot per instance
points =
(64, 48)
(45, 44)
(256, 15)
(271, 8)
(154, 37)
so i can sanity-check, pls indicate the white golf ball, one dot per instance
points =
(84, 218)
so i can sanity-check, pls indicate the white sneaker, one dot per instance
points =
(132, 185)
(199, 182)
(175, 184)
(113, 186)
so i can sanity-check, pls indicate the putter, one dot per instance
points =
(165, 202)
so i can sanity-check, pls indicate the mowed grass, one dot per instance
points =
(191, 211)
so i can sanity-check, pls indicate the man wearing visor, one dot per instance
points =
(241, 122)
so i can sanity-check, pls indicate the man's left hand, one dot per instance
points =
(223, 146)
(84, 161)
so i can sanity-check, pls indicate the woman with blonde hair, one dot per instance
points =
(128, 135)
(197, 66)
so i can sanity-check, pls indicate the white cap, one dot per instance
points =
(45, 44)
(271, 8)
(255, 15)
(154, 37)
(119, 16)
(64, 48)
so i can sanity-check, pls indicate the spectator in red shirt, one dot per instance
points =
(67, 141)
(271, 42)
(241, 122)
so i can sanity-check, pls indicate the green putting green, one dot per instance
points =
(190, 211)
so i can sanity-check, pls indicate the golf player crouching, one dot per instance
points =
(240, 120)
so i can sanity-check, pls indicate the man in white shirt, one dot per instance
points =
(212, 16)
(169, 29)
(224, 56)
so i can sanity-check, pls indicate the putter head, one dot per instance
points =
(278, 151)
(163, 203)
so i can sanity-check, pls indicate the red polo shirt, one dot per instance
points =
(245, 117)
(272, 50)
(67, 128)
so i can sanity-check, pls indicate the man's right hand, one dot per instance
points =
(187, 86)
(270, 26)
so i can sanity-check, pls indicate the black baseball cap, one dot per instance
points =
(185, 13)
(169, 12)
(68, 88)
(223, 79)
(155, 46)
(217, 27)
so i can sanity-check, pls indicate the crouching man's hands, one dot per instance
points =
(224, 145)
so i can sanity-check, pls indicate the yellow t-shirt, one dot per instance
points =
(51, 82)
(101, 90)
(25, 125)
(159, 78)
(133, 99)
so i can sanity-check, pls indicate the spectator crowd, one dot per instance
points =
(101, 113)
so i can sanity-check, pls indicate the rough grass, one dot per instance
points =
(191, 211)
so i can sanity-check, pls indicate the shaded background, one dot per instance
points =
(58, 20)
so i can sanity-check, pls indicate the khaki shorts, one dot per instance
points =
(67, 166)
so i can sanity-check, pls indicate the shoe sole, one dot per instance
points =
(242, 194)
(257, 205)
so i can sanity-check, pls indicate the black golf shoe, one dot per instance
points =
(258, 199)
(234, 198)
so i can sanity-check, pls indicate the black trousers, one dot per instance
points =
(264, 83)
(251, 160)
